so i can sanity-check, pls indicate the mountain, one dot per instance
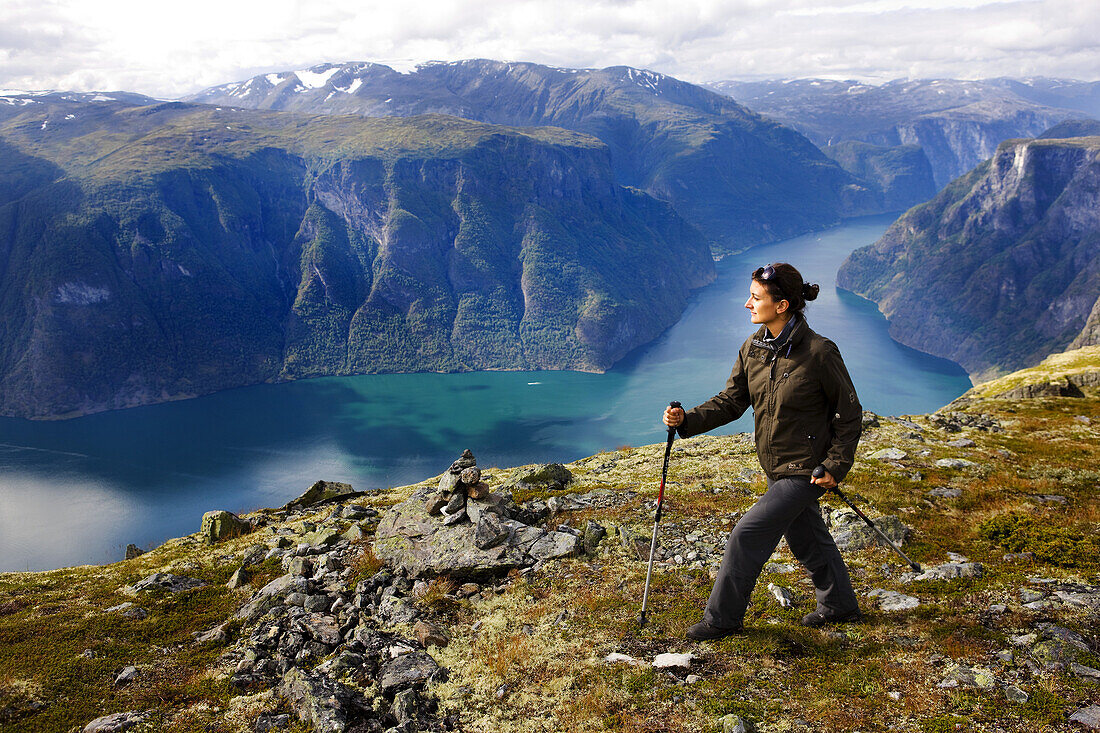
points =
(1002, 267)
(156, 252)
(1073, 128)
(738, 177)
(956, 123)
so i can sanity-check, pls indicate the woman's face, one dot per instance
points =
(763, 308)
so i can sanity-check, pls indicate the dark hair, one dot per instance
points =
(784, 282)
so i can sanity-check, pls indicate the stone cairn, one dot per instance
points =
(461, 482)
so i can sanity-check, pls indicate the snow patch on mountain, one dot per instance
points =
(645, 79)
(313, 79)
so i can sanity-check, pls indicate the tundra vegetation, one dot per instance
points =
(999, 494)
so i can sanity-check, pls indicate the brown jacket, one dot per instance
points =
(806, 409)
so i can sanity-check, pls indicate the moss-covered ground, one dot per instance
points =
(528, 655)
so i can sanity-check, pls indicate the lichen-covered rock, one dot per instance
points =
(407, 670)
(321, 491)
(418, 544)
(958, 675)
(947, 571)
(115, 723)
(852, 533)
(317, 700)
(547, 476)
(271, 594)
(888, 454)
(164, 581)
(240, 578)
(222, 525)
(890, 600)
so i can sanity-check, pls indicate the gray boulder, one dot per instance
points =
(852, 533)
(115, 722)
(317, 700)
(947, 571)
(271, 595)
(1088, 717)
(955, 463)
(164, 581)
(222, 525)
(410, 539)
(322, 491)
(407, 670)
(549, 476)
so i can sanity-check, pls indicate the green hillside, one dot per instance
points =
(158, 252)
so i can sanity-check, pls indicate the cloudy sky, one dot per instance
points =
(171, 49)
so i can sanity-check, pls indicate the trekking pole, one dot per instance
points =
(819, 472)
(657, 518)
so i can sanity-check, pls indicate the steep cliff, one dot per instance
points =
(899, 176)
(159, 252)
(1090, 334)
(738, 177)
(1002, 267)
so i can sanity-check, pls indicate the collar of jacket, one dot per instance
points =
(798, 332)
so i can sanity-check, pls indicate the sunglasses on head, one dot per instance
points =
(764, 273)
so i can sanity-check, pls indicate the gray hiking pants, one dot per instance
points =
(788, 509)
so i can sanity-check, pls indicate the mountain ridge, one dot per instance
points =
(956, 123)
(738, 177)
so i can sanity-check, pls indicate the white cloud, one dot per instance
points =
(172, 49)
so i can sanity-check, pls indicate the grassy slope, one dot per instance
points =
(523, 669)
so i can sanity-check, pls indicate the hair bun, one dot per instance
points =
(809, 292)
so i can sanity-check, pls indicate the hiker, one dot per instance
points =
(806, 414)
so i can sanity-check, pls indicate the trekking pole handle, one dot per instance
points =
(674, 404)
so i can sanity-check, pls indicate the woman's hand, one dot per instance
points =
(826, 482)
(674, 416)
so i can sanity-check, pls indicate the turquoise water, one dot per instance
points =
(78, 491)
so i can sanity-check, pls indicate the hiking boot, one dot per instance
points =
(703, 631)
(820, 617)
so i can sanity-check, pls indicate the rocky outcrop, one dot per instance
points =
(1090, 334)
(321, 492)
(221, 525)
(1000, 269)
(202, 255)
(447, 530)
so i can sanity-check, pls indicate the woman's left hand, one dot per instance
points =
(826, 482)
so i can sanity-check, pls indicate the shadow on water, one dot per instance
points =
(145, 474)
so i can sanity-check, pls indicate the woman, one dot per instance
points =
(806, 414)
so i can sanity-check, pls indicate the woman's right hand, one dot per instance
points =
(674, 416)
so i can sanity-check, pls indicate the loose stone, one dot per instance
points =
(670, 660)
